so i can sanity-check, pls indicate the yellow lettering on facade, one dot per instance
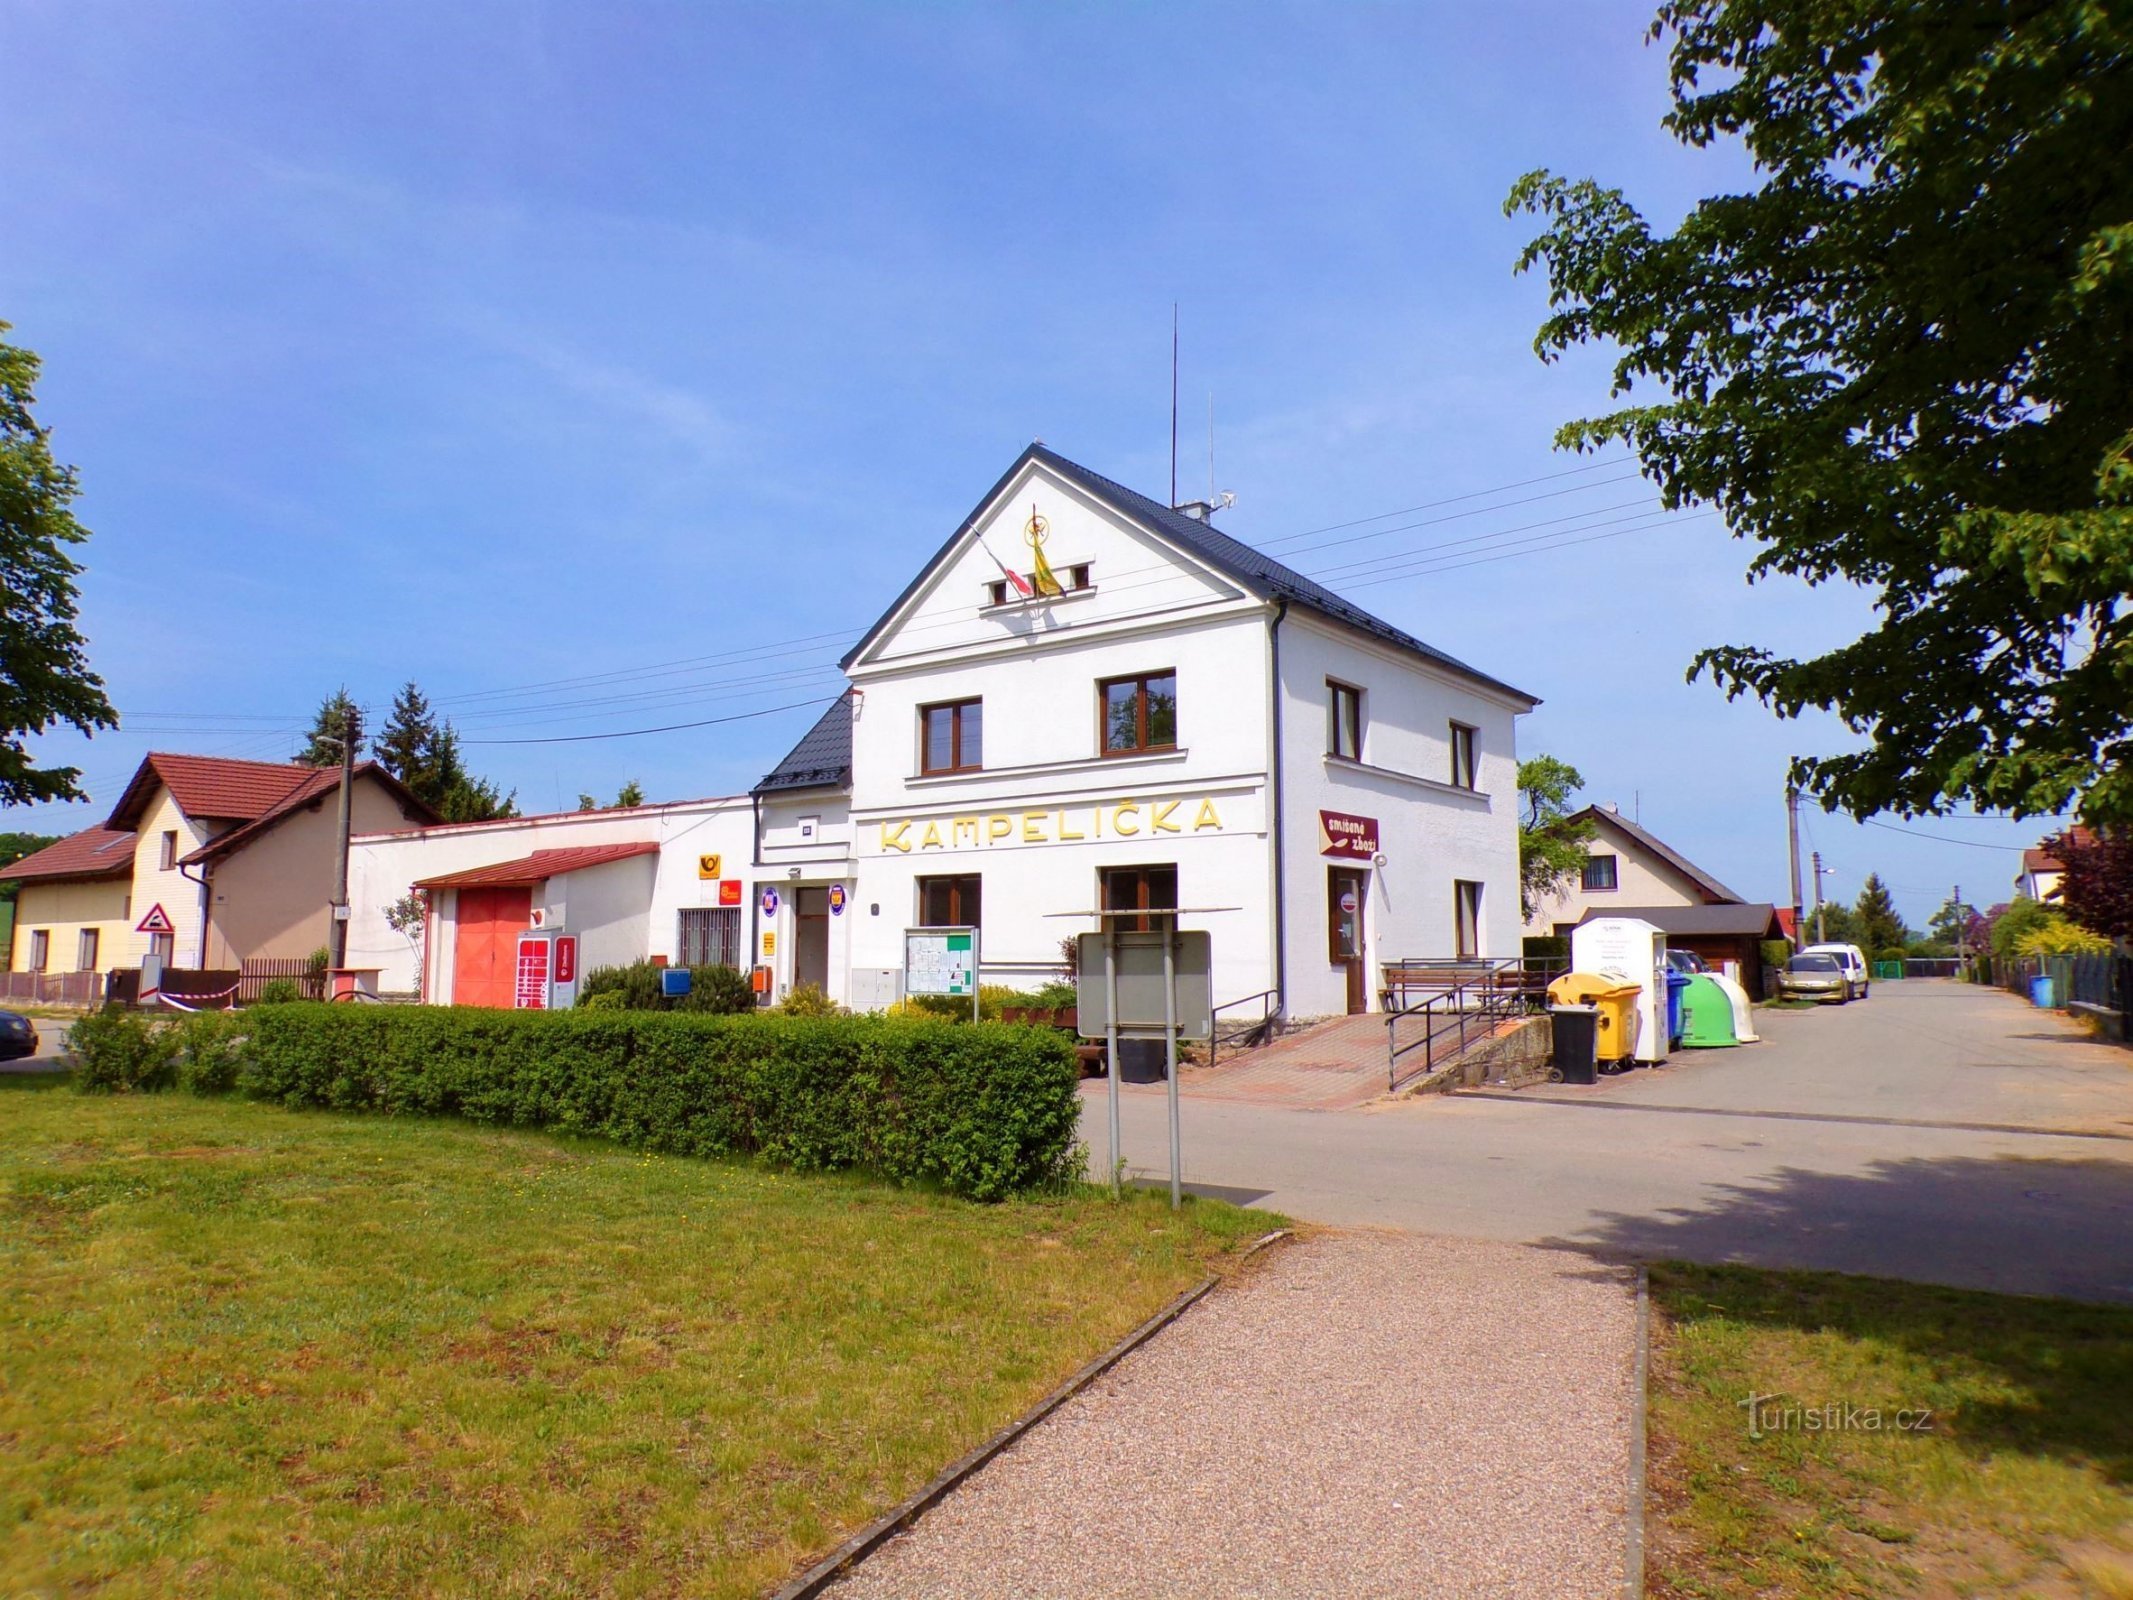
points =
(1159, 817)
(931, 838)
(1118, 819)
(998, 827)
(1033, 827)
(1066, 834)
(1098, 813)
(893, 839)
(1205, 817)
(962, 831)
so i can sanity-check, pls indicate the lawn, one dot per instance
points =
(250, 1351)
(2019, 1485)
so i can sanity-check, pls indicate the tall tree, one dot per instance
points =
(322, 746)
(2097, 889)
(13, 847)
(1951, 925)
(44, 660)
(1900, 360)
(1877, 923)
(1551, 847)
(423, 752)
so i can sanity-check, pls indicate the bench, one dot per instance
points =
(1406, 984)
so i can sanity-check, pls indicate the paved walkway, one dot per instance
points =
(1359, 1415)
(1936, 1131)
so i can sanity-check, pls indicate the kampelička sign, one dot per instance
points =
(1340, 834)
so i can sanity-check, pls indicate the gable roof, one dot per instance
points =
(1255, 571)
(209, 786)
(524, 871)
(2039, 859)
(823, 755)
(1733, 919)
(1712, 890)
(317, 784)
(97, 852)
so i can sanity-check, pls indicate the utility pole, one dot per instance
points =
(337, 941)
(1792, 833)
(1819, 924)
(1962, 932)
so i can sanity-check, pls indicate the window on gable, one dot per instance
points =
(1345, 708)
(169, 857)
(1600, 873)
(1464, 764)
(1140, 714)
(951, 738)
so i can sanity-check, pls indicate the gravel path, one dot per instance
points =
(1361, 1414)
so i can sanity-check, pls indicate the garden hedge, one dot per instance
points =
(983, 1111)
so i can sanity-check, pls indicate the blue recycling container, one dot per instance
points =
(1676, 983)
(2040, 991)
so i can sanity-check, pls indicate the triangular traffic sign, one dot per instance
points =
(157, 921)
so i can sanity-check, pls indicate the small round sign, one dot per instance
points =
(1348, 902)
(836, 899)
(770, 902)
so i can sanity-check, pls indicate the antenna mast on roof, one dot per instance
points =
(1210, 447)
(1173, 402)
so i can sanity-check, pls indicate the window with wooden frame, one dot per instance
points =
(1139, 889)
(951, 738)
(1139, 714)
(85, 949)
(169, 856)
(1466, 917)
(40, 949)
(950, 902)
(1464, 759)
(1344, 710)
(1601, 874)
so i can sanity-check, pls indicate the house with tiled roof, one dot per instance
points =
(205, 861)
(2042, 871)
(1625, 866)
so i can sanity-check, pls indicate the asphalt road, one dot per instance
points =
(1933, 1132)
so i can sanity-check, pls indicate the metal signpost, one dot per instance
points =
(1155, 986)
(942, 961)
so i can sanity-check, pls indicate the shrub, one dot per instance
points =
(981, 1111)
(278, 992)
(808, 1000)
(721, 991)
(603, 1000)
(117, 1051)
(718, 990)
(210, 1049)
(2062, 939)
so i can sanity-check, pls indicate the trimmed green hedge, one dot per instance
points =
(981, 1111)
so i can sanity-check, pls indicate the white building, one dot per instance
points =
(1188, 723)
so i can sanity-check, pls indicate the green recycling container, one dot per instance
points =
(1706, 1016)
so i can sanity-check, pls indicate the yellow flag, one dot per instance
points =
(1046, 580)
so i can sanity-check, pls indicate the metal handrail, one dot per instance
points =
(1266, 1015)
(1484, 997)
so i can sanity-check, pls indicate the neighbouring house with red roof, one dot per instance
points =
(204, 861)
(2041, 870)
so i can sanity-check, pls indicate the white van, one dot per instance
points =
(1858, 976)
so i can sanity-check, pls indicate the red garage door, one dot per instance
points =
(485, 954)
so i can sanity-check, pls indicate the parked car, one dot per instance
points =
(1853, 960)
(1685, 961)
(18, 1036)
(1815, 975)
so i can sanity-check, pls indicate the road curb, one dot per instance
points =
(1640, 1383)
(867, 1540)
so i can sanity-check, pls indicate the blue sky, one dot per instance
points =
(508, 345)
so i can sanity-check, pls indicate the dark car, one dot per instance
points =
(1685, 961)
(18, 1036)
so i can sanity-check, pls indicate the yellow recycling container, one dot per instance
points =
(1616, 999)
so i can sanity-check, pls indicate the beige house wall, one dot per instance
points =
(153, 885)
(62, 910)
(1641, 879)
(271, 896)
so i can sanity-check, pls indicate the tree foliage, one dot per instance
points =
(44, 660)
(422, 751)
(2022, 918)
(1552, 848)
(1902, 360)
(337, 714)
(1876, 923)
(13, 847)
(2097, 890)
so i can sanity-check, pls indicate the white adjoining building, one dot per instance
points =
(1186, 722)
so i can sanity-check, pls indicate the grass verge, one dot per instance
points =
(249, 1351)
(2019, 1482)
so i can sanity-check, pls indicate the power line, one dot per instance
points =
(1431, 505)
(677, 727)
(1967, 844)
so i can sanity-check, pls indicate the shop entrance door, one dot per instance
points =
(1346, 890)
(485, 945)
(811, 937)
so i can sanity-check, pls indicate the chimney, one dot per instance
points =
(1198, 510)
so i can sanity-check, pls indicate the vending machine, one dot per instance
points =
(547, 971)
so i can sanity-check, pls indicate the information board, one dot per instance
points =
(941, 961)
